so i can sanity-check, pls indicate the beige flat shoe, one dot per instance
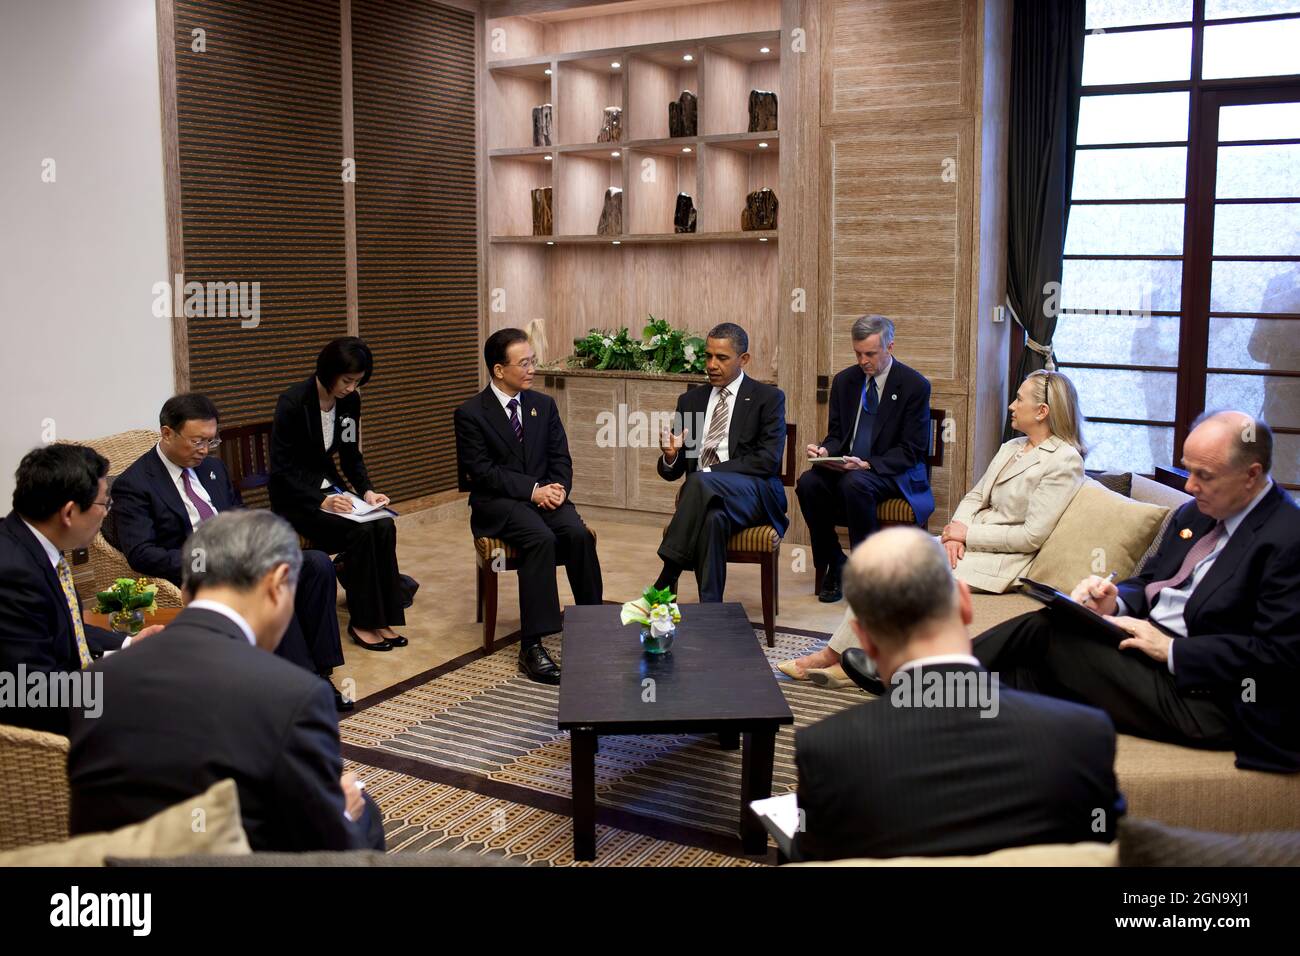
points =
(830, 677)
(787, 668)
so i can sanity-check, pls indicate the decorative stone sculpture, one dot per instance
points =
(760, 210)
(611, 217)
(542, 125)
(684, 216)
(682, 115)
(542, 219)
(611, 130)
(762, 111)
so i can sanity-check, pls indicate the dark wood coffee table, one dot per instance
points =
(715, 680)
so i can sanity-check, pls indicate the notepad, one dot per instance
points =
(361, 511)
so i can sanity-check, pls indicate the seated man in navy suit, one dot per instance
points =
(174, 487)
(880, 423)
(729, 447)
(1213, 656)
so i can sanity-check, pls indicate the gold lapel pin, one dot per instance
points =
(532, 412)
(1185, 533)
(212, 476)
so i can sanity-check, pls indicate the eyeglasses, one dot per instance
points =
(106, 504)
(197, 443)
(526, 364)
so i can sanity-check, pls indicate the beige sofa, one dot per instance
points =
(1178, 786)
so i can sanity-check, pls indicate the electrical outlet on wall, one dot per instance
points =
(999, 313)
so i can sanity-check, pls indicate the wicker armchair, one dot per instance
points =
(107, 564)
(33, 787)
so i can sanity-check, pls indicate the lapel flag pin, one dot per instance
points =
(533, 412)
(1185, 533)
(212, 476)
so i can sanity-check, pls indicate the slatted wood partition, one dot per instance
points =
(259, 123)
(413, 66)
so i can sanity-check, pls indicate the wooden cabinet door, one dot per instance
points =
(647, 402)
(590, 404)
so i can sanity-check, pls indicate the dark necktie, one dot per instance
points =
(718, 426)
(517, 425)
(202, 507)
(866, 421)
(1198, 553)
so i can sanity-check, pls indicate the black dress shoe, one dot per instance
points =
(536, 665)
(855, 662)
(341, 703)
(831, 590)
(381, 646)
(397, 640)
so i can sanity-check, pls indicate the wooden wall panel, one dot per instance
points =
(599, 469)
(259, 127)
(646, 491)
(417, 266)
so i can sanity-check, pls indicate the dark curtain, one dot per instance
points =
(1046, 73)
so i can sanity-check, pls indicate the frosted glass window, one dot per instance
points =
(1136, 286)
(1158, 172)
(1143, 56)
(1260, 121)
(1286, 460)
(1250, 49)
(1270, 397)
(1224, 9)
(1132, 118)
(1254, 229)
(1126, 230)
(1258, 172)
(1135, 448)
(1131, 13)
(1117, 339)
(1254, 287)
(1238, 342)
(1120, 393)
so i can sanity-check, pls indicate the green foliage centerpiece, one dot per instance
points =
(657, 613)
(662, 349)
(126, 603)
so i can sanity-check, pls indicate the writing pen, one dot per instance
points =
(1087, 601)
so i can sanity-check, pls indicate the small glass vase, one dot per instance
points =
(657, 645)
(129, 622)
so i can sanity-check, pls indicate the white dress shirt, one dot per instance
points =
(1171, 602)
(227, 612)
(723, 450)
(938, 660)
(175, 471)
(879, 378)
(327, 436)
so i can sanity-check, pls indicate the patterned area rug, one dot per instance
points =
(488, 736)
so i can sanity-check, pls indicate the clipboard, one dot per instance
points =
(1066, 608)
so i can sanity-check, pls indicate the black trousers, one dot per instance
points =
(369, 553)
(546, 539)
(1033, 653)
(312, 638)
(829, 498)
(713, 506)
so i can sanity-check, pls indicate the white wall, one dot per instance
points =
(79, 343)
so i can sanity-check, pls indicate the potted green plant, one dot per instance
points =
(126, 603)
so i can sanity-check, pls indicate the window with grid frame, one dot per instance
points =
(1181, 274)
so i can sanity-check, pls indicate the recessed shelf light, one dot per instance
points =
(762, 238)
(615, 154)
(547, 157)
(686, 149)
(762, 145)
(615, 65)
(550, 242)
(547, 71)
(617, 242)
(688, 57)
(765, 49)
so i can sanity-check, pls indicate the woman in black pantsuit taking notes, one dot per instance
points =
(314, 420)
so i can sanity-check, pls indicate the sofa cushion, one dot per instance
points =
(1120, 482)
(1045, 854)
(1148, 843)
(992, 609)
(170, 832)
(1153, 492)
(1100, 531)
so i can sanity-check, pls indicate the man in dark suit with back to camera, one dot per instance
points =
(514, 461)
(60, 499)
(728, 443)
(1213, 656)
(948, 761)
(177, 485)
(879, 420)
(208, 701)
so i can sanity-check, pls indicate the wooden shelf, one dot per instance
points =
(633, 239)
(733, 44)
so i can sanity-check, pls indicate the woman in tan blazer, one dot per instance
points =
(999, 526)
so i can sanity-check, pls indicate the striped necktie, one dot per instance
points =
(74, 608)
(515, 423)
(1198, 553)
(717, 431)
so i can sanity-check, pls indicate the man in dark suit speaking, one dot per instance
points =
(1213, 656)
(879, 421)
(948, 761)
(177, 485)
(514, 461)
(208, 701)
(729, 445)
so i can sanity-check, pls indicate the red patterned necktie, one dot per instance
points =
(1199, 551)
